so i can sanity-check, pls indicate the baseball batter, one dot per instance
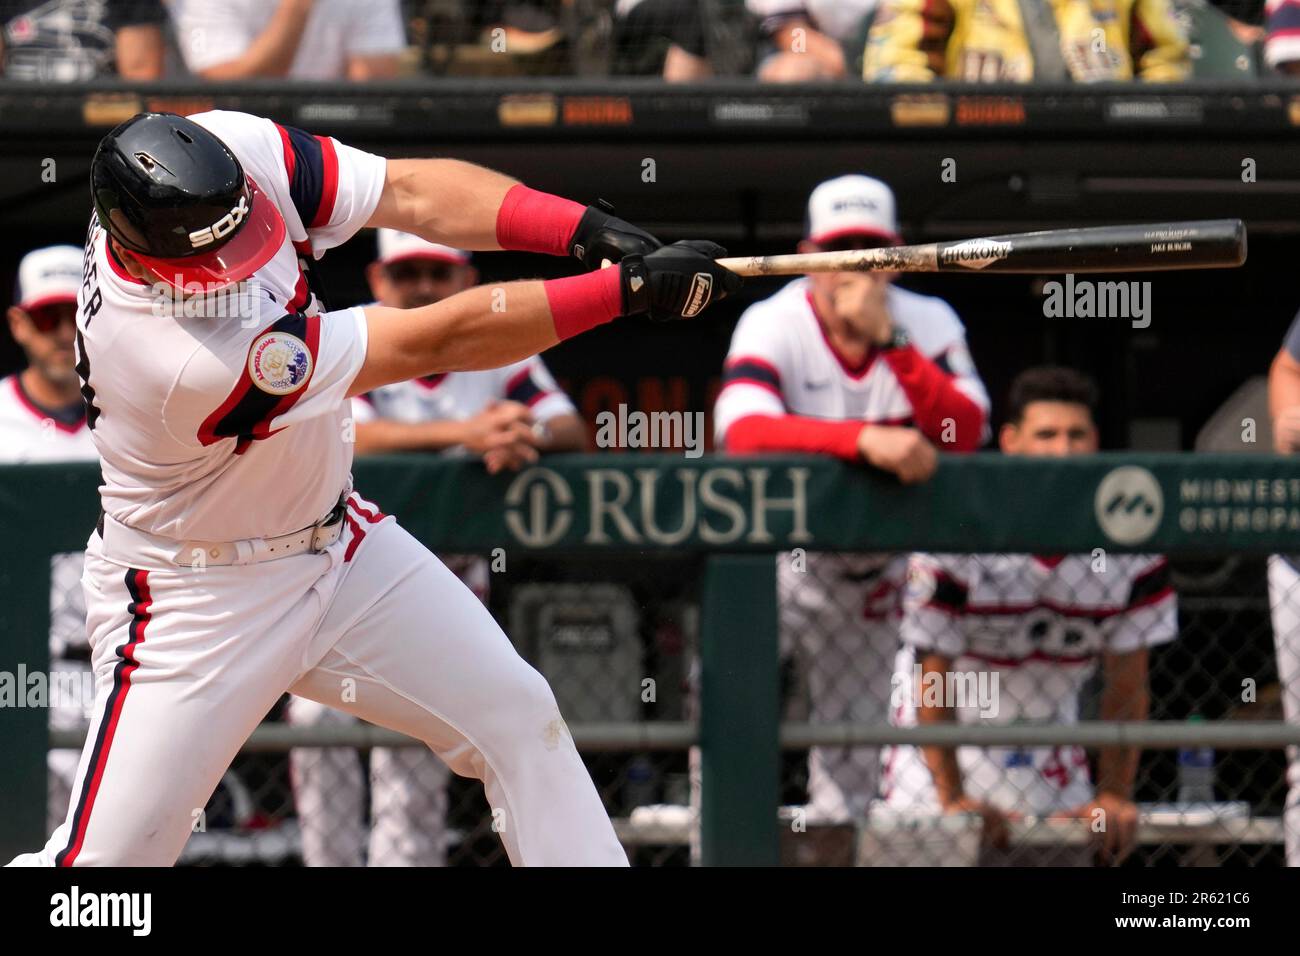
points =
(42, 418)
(1038, 625)
(233, 560)
(506, 416)
(850, 365)
(1284, 576)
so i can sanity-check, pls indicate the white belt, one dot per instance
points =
(134, 547)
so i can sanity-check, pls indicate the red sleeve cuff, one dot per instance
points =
(532, 221)
(579, 303)
(794, 433)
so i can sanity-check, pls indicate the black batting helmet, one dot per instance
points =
(175, 195)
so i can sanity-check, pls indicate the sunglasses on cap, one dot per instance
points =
(412, 270)
(47, 318)
(847, 243)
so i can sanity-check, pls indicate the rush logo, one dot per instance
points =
(222, 227)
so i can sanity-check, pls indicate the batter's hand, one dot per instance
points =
(601, 238)
(677, 281)
(1286, 430)
(902, 451)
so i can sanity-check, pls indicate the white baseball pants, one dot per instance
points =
(189, 660)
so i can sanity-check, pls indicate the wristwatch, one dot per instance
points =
(897, 339)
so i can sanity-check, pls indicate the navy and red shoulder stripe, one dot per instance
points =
(313, 168)
(248, 411)
(521, 388)
(752, 371)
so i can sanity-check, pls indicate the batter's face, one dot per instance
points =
(1051, 429)
(46, 336)
(412, 283)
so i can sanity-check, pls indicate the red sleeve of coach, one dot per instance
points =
(936, 399)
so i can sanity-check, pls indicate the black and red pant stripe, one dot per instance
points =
(138, 609)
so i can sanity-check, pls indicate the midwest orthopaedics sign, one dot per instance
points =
(659, 506)
(1239, 504)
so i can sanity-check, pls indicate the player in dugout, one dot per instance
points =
(848, 365)
(1032, 629)
(43, 419)
(1284, 576)
(504, 416)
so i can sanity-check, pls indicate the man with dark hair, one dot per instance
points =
(1047, 386)
(1284, 576)
(1031, 629)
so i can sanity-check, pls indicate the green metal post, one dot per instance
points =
(740, 712)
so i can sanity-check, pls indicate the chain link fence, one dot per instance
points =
(868, 643)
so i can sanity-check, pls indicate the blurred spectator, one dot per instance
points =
(59, 41)
(1284, 576)
(849, 366)
(685, 40)
(505, 416)
(43, 419)
(808, 39)
(299, 39)
(1282, 43)
(1028, 631)
(988, 41)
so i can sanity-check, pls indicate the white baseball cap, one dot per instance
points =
(397, 246)
(851, 206)
(49, 276)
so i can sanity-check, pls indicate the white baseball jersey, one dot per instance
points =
(189, 412)
(780, 362)
(29, 433)
(1038, 625)
(212, 32)
(458, 396)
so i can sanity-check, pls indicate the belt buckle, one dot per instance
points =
(320, 536)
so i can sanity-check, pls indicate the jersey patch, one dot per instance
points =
(279, 366)
(279, 363)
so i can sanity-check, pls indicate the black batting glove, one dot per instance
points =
(602, 237)
(677, 281)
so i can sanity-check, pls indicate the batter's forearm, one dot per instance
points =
(443, 200)
(483, 328)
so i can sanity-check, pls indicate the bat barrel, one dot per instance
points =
(1208, 244)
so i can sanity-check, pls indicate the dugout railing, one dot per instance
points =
(720, 521)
